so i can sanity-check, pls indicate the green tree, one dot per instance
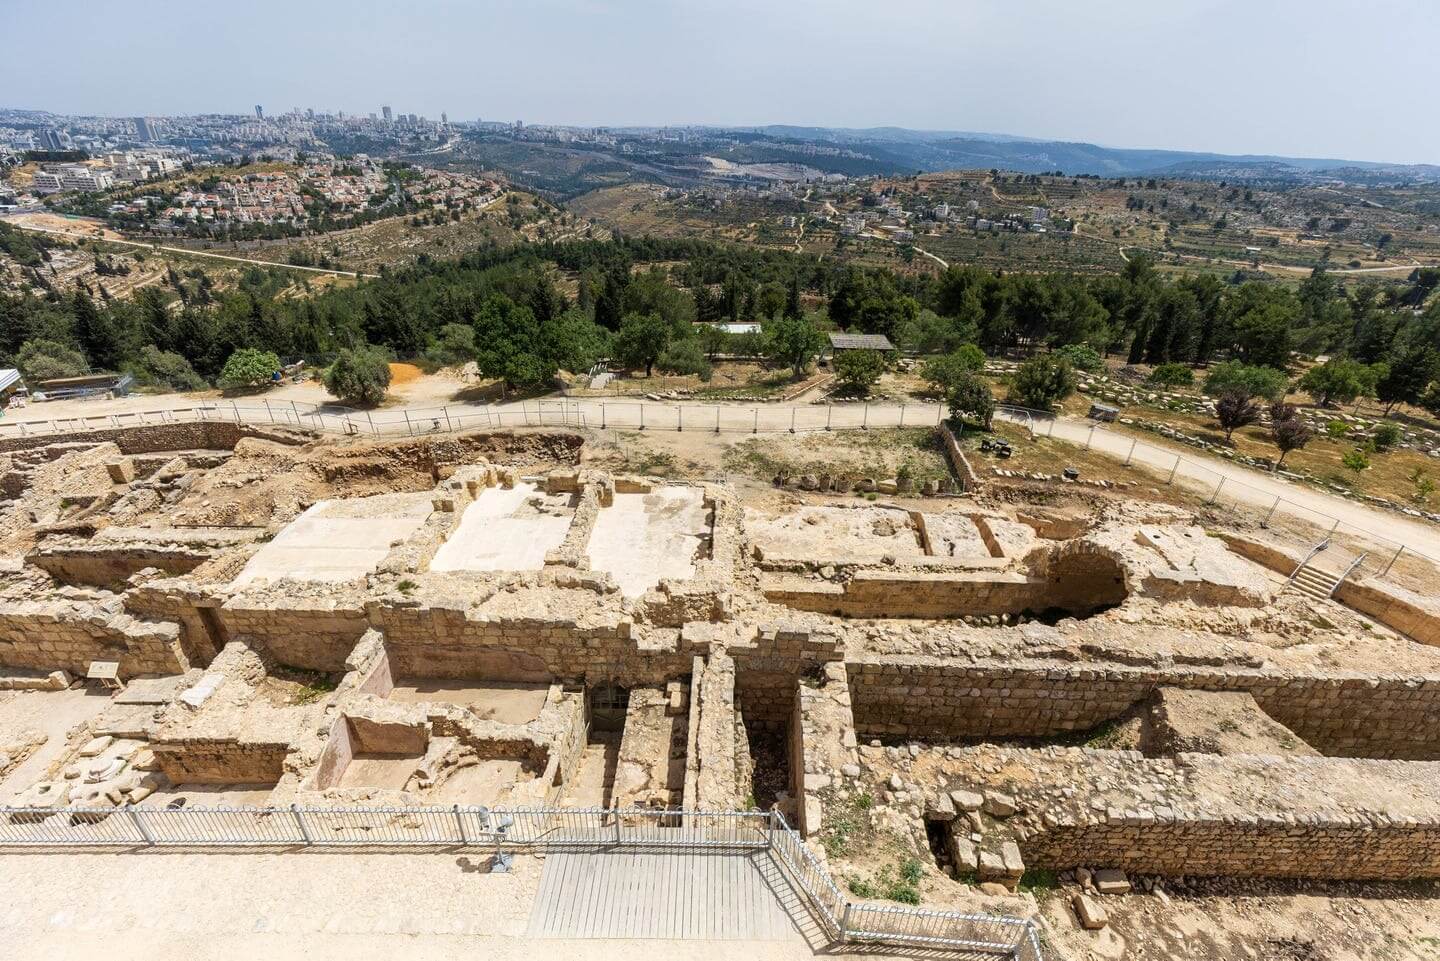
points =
(641, 341)
(1408, 374)
(793, 341)
(1042, 382)
(969, 397)
(857, 371)
(1339, 380)
(945, 372)
(574, 342)
(249, 367)
(509, 345)
(1082, 357)
(1233, 376)
(359, 377)
(683, 356)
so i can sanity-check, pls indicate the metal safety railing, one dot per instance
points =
(512, 830)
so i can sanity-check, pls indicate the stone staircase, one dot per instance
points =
(1313, 582)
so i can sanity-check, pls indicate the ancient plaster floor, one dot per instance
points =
(506, 530)
(382, 771)
(643, 538)
(338, 540)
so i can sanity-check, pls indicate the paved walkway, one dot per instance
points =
(671, 895)
(301, 906)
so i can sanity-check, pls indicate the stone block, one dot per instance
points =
(1091, 915)
(967, 800)
(1000, 805)
(1111, 881)
(121, 471)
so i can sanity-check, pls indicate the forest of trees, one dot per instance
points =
(526, 312)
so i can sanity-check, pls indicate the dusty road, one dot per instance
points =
(430, 408)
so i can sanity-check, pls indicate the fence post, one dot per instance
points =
(1217, 490)
(845, 922)
(460, 826)
(756, 428)
(792, 420)
(865, 423)
(602, 415)
(300, 823)
(140, 825)
(296, 411)
(642, 416)
(717, 418)
(1090, 437)
(408, 431)
(617, 827)
(1171, 478)
(268, 412)
(1273, 507)
(236, 411)
(679, 418)
(1393, 560)
(449, 427)
(1133, 442)
(902, 415)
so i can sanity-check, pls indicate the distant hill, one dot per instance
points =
(946, 150)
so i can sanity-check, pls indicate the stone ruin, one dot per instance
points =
(991, 685)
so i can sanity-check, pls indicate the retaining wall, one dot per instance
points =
(1340, 715)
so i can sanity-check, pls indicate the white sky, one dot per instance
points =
(1294, 77)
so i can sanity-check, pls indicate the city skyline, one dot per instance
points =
(1118, 73)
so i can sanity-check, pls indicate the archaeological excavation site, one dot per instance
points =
(1013, 718)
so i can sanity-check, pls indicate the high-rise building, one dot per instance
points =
(259, 112)
(145, 130)
(388, 115)
(444, 117)
(50, 139)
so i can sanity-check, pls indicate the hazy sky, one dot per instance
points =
(1297, 77)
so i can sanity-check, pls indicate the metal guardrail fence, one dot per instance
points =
(511, 830)
(1302, 526)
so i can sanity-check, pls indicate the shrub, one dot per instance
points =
(685, 357)
(1234, 376)
(1357, 460)
(1042, 382)
(359, 377)
(1337, 429)
(1082, 357)
(248, 367)
(1386, 436)
(47, 359)
(169, 370)
(455, 344)
(1172, 375)
(856, 371)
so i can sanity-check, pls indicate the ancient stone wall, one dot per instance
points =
(823, 742)
(51, 635)
(202, 435)
(1340, 715)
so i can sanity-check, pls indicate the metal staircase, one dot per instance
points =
(1314, 582)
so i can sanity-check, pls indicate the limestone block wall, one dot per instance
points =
(111, 565)
(766, 669)
(969, 480)
(1343, 715)
(716, 781)
(447, 642)
(51, 635)
(314, 635)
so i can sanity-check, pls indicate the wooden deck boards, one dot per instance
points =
(672, 895)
